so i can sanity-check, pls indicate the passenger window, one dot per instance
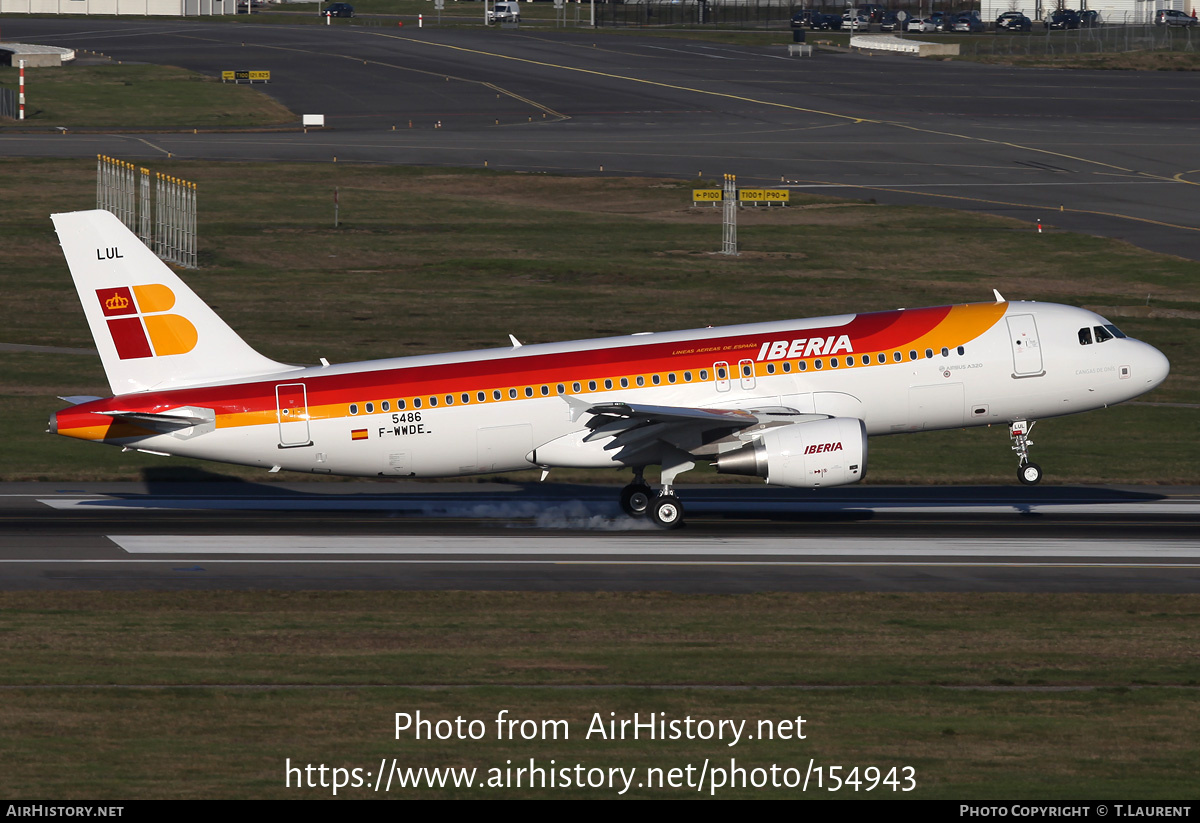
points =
(546, 390)
(416, 402)
(576, 388)
(481, 397)
(850, 360)
(560, 389)
(624, 382)
(833, 362)
(641, 381)
(787, 368)
(770, 368)
(746, 370)
(466, 398)
(385, 406)
(671, 377)
(400, 404)
(687, 377)
(897, 356)
(928, 354)
(529, 391)
(354, 408)
(591, 385)
(370, 408)
(512, 394)
(945, 352)
(803, 365)
(818, 364)
(496, 394)
(608, 383)
(704, 374)
(655, 379)
(449, 400)
(912, 354)
(1085, 336)
(882, 357)
(721, 375)
(961, 350)
(433, 401)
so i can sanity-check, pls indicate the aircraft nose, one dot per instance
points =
(1153, 368)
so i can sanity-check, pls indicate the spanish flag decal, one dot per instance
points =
(358, 434)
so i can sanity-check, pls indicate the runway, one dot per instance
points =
(548, 537)
(1106, 153)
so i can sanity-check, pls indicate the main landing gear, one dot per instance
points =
(662, 507)
(1028, 473)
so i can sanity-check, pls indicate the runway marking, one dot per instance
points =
(1054, 184)
(870, 564)
(627, 545)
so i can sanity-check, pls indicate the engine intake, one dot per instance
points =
(816, 453)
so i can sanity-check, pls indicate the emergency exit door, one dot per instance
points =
(291, 400)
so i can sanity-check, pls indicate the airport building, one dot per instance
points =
(138, 8)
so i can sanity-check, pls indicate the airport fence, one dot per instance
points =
(1108, 39)
(8, 103)
(717, 14)
(162, 216)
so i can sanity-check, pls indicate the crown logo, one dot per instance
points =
(117, 301)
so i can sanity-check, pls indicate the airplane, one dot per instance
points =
(791, 401)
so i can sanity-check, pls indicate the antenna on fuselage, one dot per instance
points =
(999, 297)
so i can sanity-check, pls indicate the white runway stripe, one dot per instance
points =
(626, 545)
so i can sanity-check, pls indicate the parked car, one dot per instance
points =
(968, 22)
(802, 18)
(938, 18)
(338, 10)
(856, 22)
(1171, 17)
(1013, 21)
(504, 10)
(917, 24)
(1063, 19)
(888, 22)
(1089, 19)
(826, 21)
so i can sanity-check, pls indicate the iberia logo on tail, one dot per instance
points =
(138, 326)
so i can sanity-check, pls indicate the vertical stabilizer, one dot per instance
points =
(151, 329)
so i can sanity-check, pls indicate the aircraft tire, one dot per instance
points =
(636, 499)
(667, 512)
(1030, 474)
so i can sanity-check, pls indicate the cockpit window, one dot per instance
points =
(1115, 331)
(1085, 336)
(1102, 334)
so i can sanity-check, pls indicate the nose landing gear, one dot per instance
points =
(1028, 473)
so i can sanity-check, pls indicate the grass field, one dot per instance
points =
(139, 97)
(430, 260)
(984, 696)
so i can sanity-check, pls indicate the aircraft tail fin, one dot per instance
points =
(152, 330)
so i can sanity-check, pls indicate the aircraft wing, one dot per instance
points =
(605, 413)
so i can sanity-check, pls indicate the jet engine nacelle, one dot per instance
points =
(829, 452)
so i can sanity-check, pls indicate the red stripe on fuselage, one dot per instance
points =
(868, 332)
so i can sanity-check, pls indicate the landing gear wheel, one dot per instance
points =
(1030, 474)
(635, 499)
(667, 512)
